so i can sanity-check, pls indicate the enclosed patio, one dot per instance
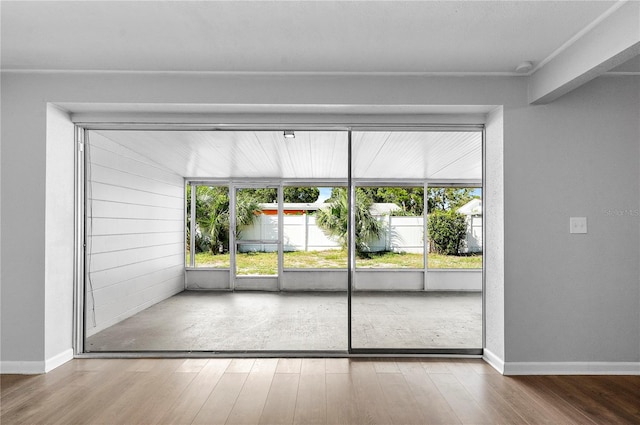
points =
(298, 321)
(215, 240)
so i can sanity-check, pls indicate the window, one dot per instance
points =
(211, 226)
(314, 238)
(389, 227)
(454, 227)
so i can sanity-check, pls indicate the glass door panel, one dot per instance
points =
(201, 268)
(257, 238)
(398, 304)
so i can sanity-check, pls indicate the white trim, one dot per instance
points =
(58, 360)
(577, 36)
(269, 73)
(493, 360)
(571, 368)
(36, 367)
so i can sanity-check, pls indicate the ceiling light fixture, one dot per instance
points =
(289, 134)
(524, 67)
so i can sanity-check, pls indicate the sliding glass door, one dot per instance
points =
(411, 190)
(272, 241)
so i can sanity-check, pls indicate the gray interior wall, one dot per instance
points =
(135, 228)
(22, 314)
(554, 291)
(573, 297)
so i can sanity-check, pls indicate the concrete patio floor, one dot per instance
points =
(305, 321)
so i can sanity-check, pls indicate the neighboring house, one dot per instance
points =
(473, 212)
(290, 208)
(383, 208)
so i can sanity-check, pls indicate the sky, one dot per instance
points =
(325, 192)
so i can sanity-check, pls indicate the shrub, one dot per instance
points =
(447, 230)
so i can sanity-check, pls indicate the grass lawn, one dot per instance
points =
(266, 263)
(469, 261)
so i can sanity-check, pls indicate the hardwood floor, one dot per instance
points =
(311, 391)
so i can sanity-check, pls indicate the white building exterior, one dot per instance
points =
(473, 240)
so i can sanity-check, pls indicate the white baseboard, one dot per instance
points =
(560, 368)
(571, 368)
(494, 361)
(58, 360)
(36, 367)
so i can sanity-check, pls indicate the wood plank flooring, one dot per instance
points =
(311, 391)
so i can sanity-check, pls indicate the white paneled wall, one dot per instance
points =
(135, 233)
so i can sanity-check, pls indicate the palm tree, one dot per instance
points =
(333, 221)
(212, 217)
(247, 210)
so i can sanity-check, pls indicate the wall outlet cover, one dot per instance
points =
(577, 224)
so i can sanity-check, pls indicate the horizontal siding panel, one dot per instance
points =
(132, 181)
(136, 232)
(103, 278)
(98, 140)
(106, 243)
(110, 260)
(109, 314)
(110, 226)
(129, 288)
(112, 209)
(140, 300)
(108, 192)
(106, 153)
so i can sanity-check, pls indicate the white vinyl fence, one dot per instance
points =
(301, 233)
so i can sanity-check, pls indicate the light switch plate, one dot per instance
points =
(577, 224)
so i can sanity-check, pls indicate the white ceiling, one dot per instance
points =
(290, 36)
(418, 155)
(443, 156)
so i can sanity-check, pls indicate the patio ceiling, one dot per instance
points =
(311, 155)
